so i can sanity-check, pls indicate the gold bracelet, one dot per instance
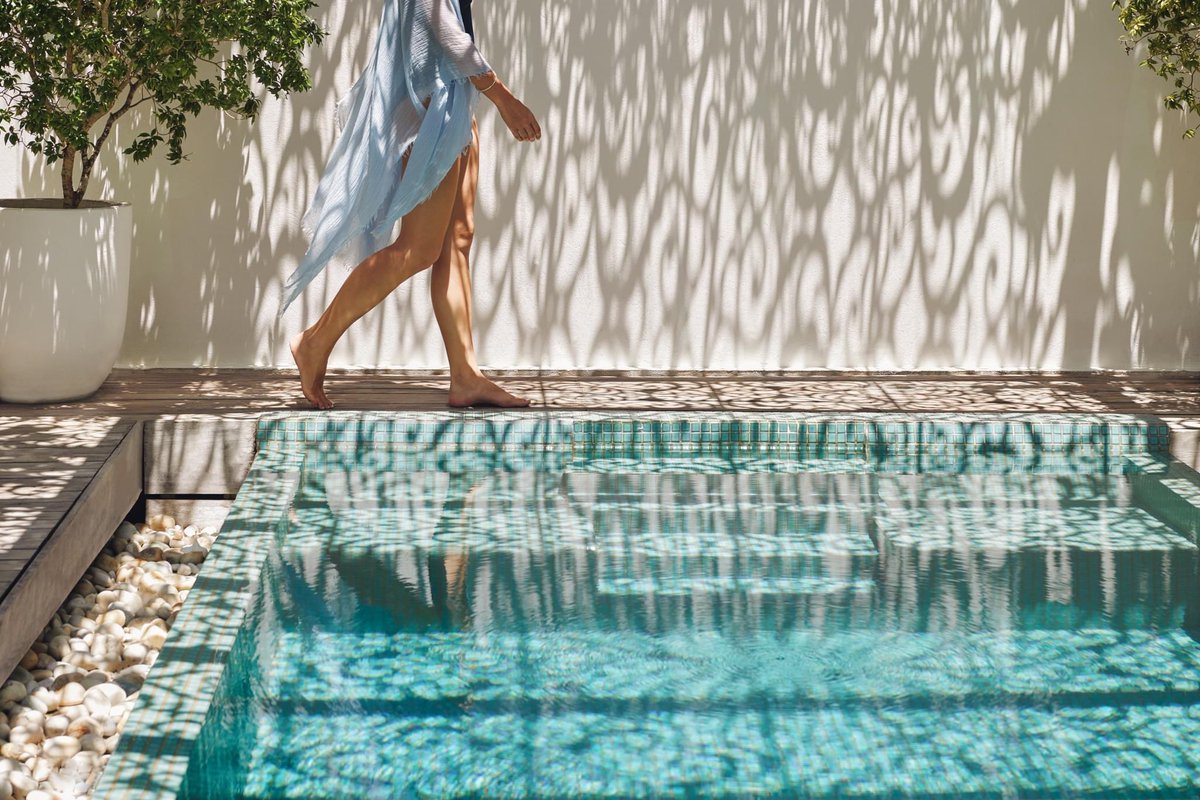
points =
(495, 78)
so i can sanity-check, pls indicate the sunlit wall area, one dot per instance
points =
(725, 184)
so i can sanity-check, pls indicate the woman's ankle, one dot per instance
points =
(467, 374)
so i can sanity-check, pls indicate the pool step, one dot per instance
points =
(336, 751)
(815, 490)
(996, 551)
(999, 551)
(624, 672)
(484, 512)
(680, 533)
(1009, 513)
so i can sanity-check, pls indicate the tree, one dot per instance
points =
(1170, 29)
(69, 69)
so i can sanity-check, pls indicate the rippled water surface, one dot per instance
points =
(643, 629)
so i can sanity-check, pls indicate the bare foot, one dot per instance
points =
(479, 391)
(312, 371)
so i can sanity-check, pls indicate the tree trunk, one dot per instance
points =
(68, 174)
(72, 196)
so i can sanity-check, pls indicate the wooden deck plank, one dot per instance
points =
(49, 568)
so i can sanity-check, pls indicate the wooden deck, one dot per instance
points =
(183, 439)
(142, 394)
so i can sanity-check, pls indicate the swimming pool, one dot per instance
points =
(674, 605)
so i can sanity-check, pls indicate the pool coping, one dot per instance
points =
(152, 756)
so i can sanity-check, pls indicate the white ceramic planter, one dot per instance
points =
(64, 287)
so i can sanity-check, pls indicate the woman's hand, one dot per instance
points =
(516, 115)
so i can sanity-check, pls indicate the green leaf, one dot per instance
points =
(67, 63)
(1170, 32)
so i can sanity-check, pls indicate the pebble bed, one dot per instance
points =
(62, 709)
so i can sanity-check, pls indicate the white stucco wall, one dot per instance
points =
(722, 184)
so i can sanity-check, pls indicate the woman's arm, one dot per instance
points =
(458, 46)
(516, 115)
(471, 64)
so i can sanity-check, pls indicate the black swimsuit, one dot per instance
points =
(468, 26)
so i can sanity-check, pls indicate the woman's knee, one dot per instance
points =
(419, 255)
(462, 234)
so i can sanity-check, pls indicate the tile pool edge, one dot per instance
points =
(152, 756)
(778, 431)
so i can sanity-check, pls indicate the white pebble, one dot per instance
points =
(35, 703)
(157, 568)
(71, 694)
(152, 552)
(161, 522)
(79, 767)
(12, 692)
(60, 748)
(116, 616)
(60, 645)
(26, 735)
(99, 577)
(40, 769)
(82, 727)
(57, 725)
(129, 599)
(46, 697)
(100, 700)
(159, 608)
(42, 794)
(22, 784)
(66, 784)
(28, 717)
(92, 742)
(18, 752)
(109, 629)
(136, 653)
(73, 712)
(154, 637)
(103, 643)
(192, 554)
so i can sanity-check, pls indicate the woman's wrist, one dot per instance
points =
(486, 82)
(490, 86)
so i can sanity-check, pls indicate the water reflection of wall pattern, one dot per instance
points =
(994, 551)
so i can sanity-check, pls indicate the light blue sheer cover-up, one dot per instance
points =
(421, 51)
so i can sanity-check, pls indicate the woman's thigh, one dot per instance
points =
(462, 217)
(423, 229)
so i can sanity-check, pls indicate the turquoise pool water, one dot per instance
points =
(964, 616)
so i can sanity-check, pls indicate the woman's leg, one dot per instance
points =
(422, 233)
(450, 289)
